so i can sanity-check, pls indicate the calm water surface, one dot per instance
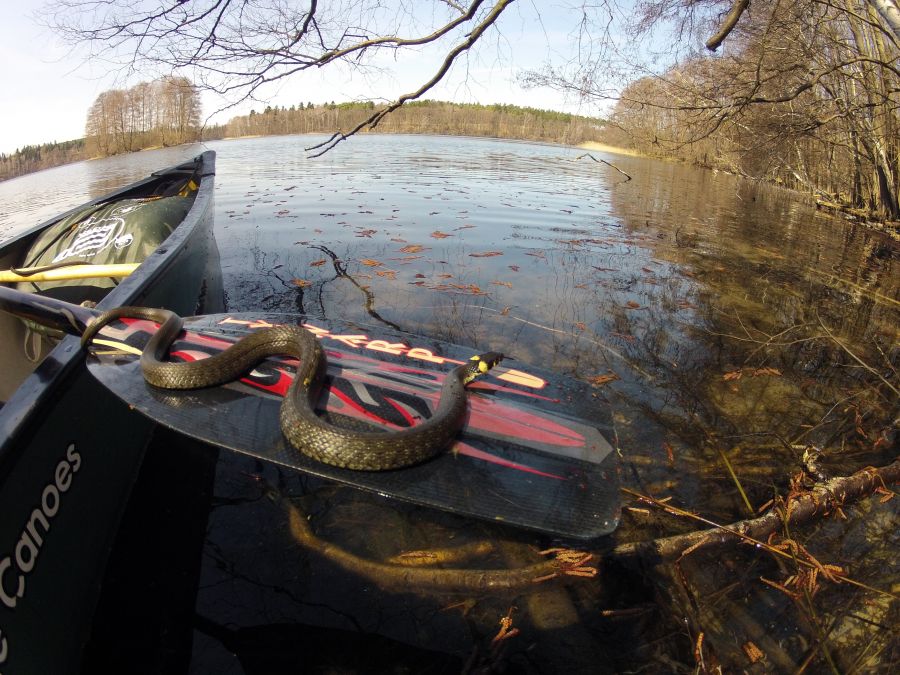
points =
(726, 323)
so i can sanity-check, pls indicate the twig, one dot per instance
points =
(372, 120)
(855, 357)
(587, 154)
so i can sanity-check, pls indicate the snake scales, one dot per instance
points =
(314, 437)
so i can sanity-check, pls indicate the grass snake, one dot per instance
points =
(306, 431)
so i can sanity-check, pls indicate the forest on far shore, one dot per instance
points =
(149, 116)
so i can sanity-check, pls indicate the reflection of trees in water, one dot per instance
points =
(260, 588)
(731, 280)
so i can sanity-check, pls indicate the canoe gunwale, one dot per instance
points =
(70, 451)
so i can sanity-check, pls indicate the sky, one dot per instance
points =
(48, 90)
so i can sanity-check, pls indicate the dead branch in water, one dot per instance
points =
(822, 500)
(603, 161)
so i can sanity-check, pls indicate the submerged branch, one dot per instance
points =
(820, 501)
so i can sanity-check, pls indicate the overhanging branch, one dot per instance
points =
(739, 7)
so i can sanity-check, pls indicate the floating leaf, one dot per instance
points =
(302, 283)
(581, 325)
(599, 380)
(505, 311)
(753, 652)
(536, 254)
(369, 262)
(437, 234)
(387, 274)
(766, 371)
(670, 452)
(398, 240)
(732, 375)
(486, 254)
(318, 263)
(412, 248)
(508, 284)
(366, 233)
(514, 268)
(631, 304)
(463, 227)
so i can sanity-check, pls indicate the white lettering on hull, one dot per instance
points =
(17, 565)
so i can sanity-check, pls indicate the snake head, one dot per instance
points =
(481, 363)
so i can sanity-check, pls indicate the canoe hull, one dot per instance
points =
(70, 451)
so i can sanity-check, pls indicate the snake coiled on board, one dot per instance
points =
(306, 431)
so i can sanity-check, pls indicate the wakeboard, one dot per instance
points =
(534, 452)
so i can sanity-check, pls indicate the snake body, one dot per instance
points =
(306, 431)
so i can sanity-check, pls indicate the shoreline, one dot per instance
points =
(603, 147)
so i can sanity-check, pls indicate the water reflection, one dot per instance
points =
(28, 200)
(731, 314)
(727, 324)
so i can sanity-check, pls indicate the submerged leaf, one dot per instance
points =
(599, 380)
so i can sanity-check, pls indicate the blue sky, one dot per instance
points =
(47, 91)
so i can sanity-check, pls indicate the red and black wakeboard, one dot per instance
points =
(533, 453)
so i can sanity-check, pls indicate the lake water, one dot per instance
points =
(727, 324)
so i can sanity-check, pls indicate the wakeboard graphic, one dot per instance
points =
(534, 452)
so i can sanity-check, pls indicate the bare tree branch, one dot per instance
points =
(728, 25)
(372, 121)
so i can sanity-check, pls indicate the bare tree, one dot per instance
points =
(237, 49)
(805, 93)
(163, 112)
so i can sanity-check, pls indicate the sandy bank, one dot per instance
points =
(602, 147)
